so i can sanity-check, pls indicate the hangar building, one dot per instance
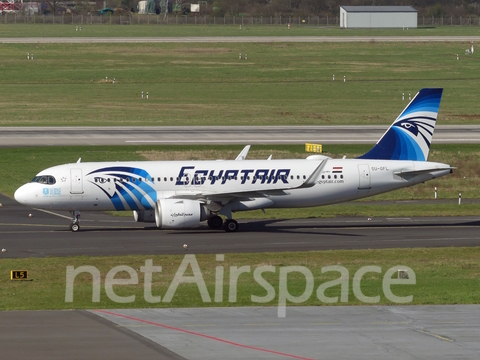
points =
(378, 17)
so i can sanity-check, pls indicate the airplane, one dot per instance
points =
(183, 194)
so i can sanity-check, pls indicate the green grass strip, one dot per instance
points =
(443, 276)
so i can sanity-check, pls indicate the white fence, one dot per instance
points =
(172, 19)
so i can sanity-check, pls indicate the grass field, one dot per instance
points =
(443, 276)
(206, 84)
(152, 30)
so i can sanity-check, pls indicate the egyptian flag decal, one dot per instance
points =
(337, 169)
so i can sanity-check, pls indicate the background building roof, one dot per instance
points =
(379, 8)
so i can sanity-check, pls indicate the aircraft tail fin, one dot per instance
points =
(410, 135)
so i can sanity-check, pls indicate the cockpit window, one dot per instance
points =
(44, 179)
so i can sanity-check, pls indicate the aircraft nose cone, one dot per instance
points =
(20, 195)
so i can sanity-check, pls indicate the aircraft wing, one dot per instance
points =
(223, 197)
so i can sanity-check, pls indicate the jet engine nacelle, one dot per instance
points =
(179, 213)
(144, 215)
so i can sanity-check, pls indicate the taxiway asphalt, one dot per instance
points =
(48, 234)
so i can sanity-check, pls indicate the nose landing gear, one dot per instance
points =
(75, 225)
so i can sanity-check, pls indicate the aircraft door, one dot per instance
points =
(76, 181)
(364, 176)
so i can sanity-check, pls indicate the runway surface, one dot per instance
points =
(168, 135)
(237, 39)
(46, 234)
(322, 332)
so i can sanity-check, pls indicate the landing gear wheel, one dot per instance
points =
(231, 225)
(75, 226)
(215, 222)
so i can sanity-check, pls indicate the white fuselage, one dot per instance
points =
(243, 185)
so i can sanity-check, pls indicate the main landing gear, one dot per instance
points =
(216, 223)
(230, 225)
(75, 225)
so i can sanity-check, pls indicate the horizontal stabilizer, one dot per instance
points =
(422, 171)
